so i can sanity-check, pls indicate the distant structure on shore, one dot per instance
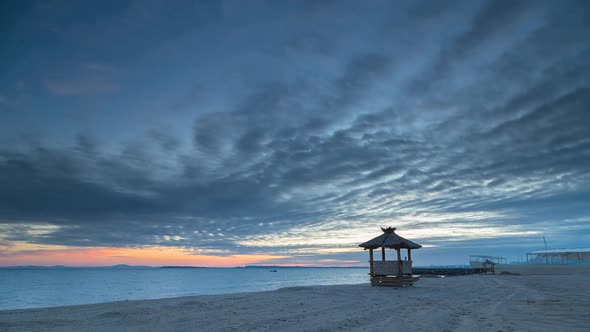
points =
(549, 261)
(393, 272)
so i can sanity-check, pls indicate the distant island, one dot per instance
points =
(183, 267)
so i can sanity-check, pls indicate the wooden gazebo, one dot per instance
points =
(393, 272)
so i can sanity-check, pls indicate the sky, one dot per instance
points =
(229, 133)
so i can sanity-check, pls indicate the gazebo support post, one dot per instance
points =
(371, 262)
(409, 254)
(399, 262)
(383, 253)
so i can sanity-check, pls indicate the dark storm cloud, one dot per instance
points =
(477, 144)
(493, 18)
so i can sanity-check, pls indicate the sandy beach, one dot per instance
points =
(466, 303)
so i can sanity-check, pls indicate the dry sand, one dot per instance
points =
(467, 303)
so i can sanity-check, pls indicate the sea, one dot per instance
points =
(25, 287)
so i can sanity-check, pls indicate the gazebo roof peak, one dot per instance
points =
(388, 230)
(389, 240)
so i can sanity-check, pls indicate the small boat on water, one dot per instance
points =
(274, 269)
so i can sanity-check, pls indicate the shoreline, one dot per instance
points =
(463, 303)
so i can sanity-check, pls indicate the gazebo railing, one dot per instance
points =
(384, 268)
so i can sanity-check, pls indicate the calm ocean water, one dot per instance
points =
(22, 288)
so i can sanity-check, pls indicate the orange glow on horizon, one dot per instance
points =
(150, 256)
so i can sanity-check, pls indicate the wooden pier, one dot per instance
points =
(447, 271)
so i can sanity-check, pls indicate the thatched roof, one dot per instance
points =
(389, 240)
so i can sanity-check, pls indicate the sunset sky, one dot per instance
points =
(226, 133)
